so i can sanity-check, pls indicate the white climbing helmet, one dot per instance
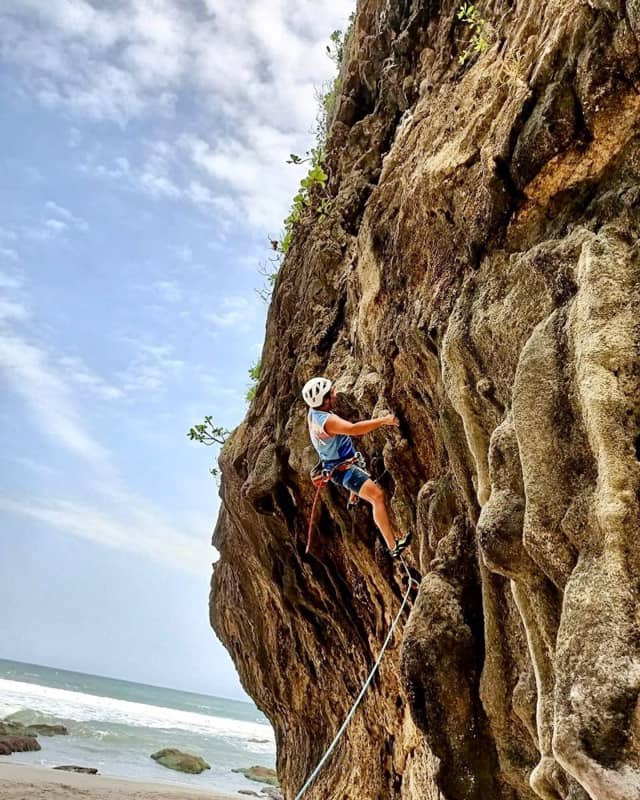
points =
(314, 390)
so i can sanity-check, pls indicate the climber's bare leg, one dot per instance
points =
(373, 494)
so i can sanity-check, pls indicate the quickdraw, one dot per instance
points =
(320, 477)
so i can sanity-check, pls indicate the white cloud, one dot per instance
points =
(46, 232)
(151, 369)
(157, 179)
(243, 168)
(31, 464)
(11, 309)
(9, 252)
(55, 389)
(27, 367)
(143, 532)
(113, 94)
(42, 376)
(248, 69)
(77, 372)
(116, 518)
(58, 222)
(204, 198)
(158, 185)
(101, 63)
(56, 225)
(65, 215)
(121, 168)
(152, 178)
(74, 17)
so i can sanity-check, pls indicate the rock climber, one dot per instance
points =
(331, 437)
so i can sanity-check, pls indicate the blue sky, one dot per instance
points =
(143, 151)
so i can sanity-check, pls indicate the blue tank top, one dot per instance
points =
(331, 449)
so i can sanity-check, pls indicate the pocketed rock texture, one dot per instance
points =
(478, 273)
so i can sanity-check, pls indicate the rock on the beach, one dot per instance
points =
(41, 729)
(15, 738)
(8, 728)
(74, 768)
(17, 744)
(183, 762)
(273, 793)
(260, 774)
(248, 792)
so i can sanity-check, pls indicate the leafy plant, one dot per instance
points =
(480, 31)
(295, 159)
(209, 434)
(311, 195)
(254, 374)
(311, 185)
(335, 50)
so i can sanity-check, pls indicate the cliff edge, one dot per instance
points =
(476, 271)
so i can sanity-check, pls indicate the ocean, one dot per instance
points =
(115, 725)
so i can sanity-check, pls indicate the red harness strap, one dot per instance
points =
(320, 482)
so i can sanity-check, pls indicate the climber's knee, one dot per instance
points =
(371, 492)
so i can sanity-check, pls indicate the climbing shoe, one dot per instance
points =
(401, 544)
(353, 502)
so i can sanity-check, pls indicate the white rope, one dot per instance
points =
(374, 669)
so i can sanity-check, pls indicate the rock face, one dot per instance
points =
(477, 272)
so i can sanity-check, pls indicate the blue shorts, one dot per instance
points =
(352, 478)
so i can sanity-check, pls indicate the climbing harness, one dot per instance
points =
(365, 686)
(320, 477)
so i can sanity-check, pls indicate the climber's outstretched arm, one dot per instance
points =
(335, 425)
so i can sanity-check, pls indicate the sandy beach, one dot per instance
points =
(20, 782)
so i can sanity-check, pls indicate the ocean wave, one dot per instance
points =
(28, 702)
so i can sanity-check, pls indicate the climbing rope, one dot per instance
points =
(365, 686)
(319, 488)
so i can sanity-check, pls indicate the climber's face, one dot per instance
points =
(329, 400)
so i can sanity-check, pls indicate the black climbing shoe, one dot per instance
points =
(401, 544)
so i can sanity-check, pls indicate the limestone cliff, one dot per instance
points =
(478, 273)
